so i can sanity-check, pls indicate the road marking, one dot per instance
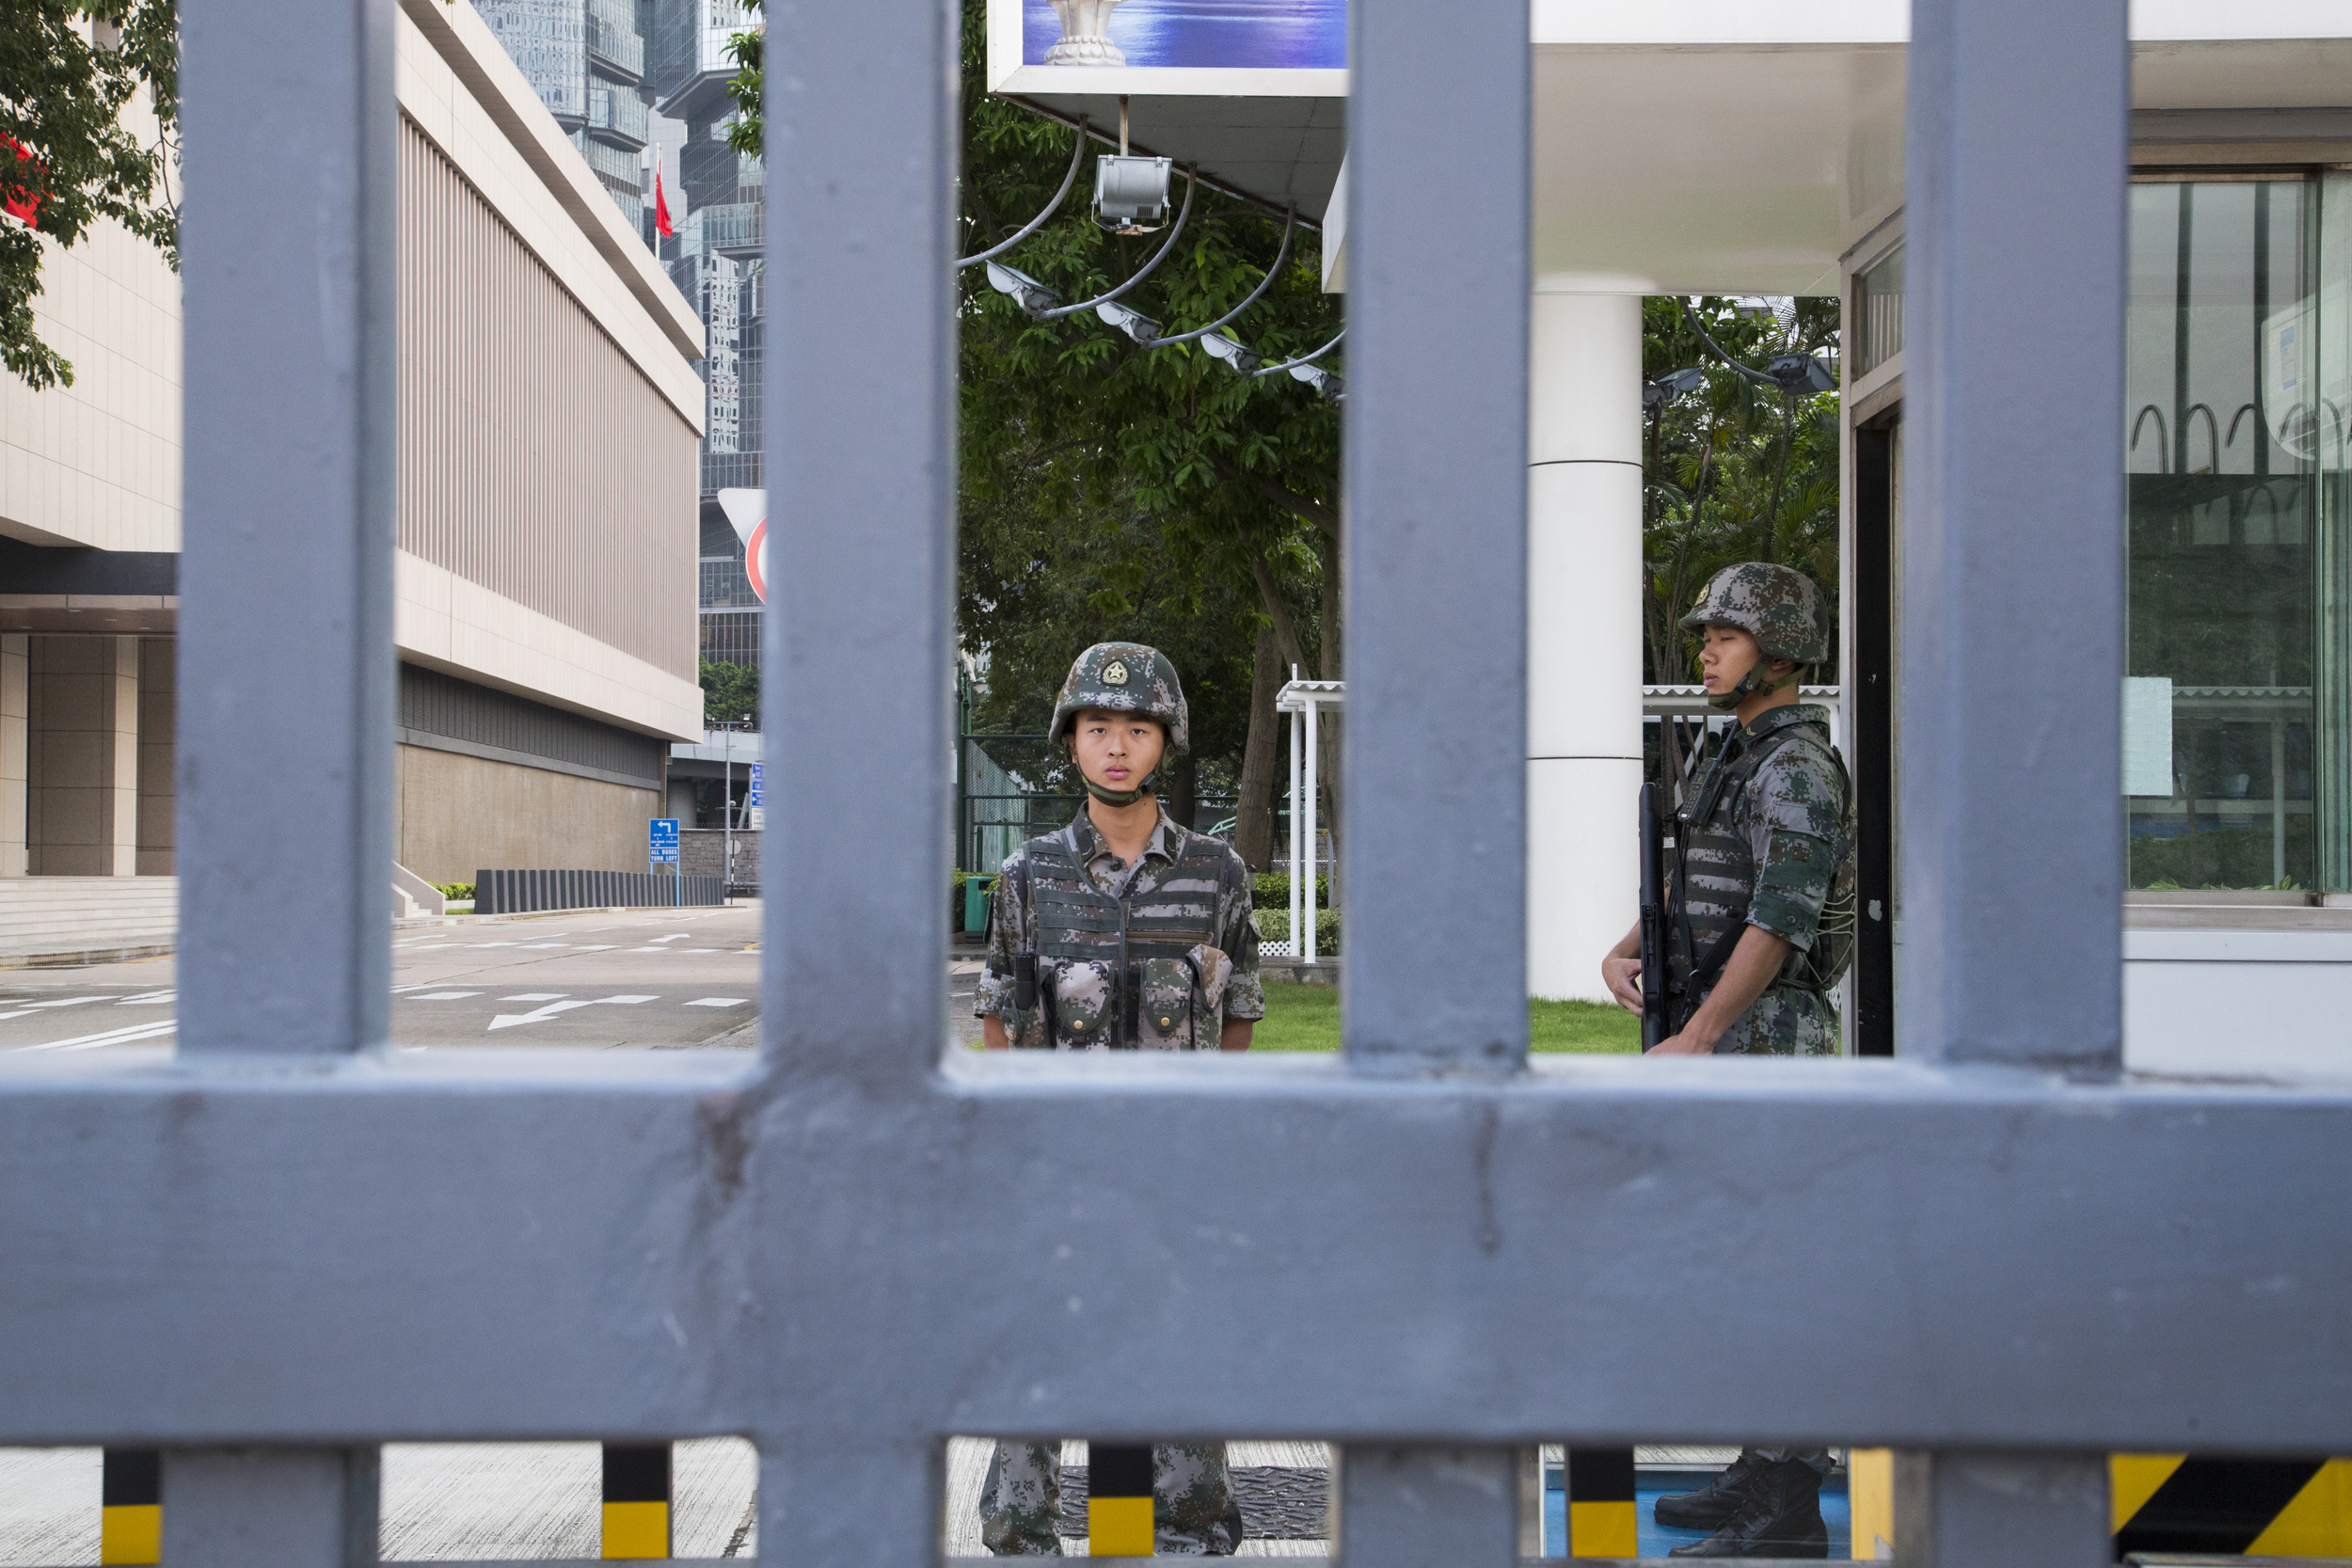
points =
(676, 936)
(494, 945)
(718, 1002)
(443, 995)
(699, 950)
(542, 944)
(652, 950)
(506, 1020)
(111, 1036)
(535, 996)
(27, 1009)
(153, 999)
(599, 947)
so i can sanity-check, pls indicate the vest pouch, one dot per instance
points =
(1166, 1022)
(1083, 994)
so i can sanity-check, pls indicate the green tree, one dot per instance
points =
(1168, 488)
(77, 145)
(730, 693)
(1733, 472)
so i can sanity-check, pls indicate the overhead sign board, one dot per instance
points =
(1246, 35)
(663, 840)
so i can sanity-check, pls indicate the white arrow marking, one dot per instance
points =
(718, 1002)
(27, 1009)
(506, 1020)
(124, 1035)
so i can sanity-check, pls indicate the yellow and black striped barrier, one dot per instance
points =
(2173, 1504)
(1119, 1499)
(2183, 1503)
(130, 1506)
(636, 1500)
(1602, 1519)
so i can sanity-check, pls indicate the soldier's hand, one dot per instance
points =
(1683, 1044)
(1623, 977)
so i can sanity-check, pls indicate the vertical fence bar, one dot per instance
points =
(2001, 1510)
(286, 676)
(2011, 803)
(860, 113)
(270, 1508)
(1437, 538)
(1424, 1506)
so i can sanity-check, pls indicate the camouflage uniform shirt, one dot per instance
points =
(1013, 927)
(1790, 818)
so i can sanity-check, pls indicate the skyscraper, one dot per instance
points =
(719, 208)
(586, 60)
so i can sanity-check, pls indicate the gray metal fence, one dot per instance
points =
(523, 892)
(292, 1245)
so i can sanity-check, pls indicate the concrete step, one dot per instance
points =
(63, 917)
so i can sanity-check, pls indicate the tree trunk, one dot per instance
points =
(1183, 797)
(1253, 824)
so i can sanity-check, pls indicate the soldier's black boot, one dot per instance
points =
(1711, 1506)
(1780, 1517)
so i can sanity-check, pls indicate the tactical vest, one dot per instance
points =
(1702, 941)
(1119, 972)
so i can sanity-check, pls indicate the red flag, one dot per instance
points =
(21, 187)
(661, 206)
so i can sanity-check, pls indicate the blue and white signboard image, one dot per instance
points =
(664, 840)
(1260, 34)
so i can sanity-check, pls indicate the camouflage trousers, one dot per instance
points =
(1193, 1510)
(1784, 1021)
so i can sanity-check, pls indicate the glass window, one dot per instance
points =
(2235, 454)
(1878, 335)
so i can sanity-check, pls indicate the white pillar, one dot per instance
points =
(1583, 635)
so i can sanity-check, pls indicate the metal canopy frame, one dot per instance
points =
(287, 1245)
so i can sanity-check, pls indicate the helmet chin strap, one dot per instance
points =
(1747, 685)
(1116, 796)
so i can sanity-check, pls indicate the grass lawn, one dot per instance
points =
(1307, 1018)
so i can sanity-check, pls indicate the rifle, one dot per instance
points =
(1654, 1022)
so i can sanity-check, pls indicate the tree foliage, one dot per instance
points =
(76, 146)
(1733, 472)
(730, 693)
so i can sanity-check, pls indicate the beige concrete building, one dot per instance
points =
(550, 416)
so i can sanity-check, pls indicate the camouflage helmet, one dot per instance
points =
(1779, 607)
(1124, 677)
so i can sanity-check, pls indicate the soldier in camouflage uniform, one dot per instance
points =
(1759, 924)
(1138, 933)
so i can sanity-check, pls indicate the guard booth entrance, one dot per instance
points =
(2002, 1261)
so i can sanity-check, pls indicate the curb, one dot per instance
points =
(82, 958)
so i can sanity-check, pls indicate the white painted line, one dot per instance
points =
(112, 1036)
(679, 936)
(535, 996)
(542, 944)
(718, 1002)
(443, 995)
(652, 950)
(599, 947)
(152, 999)
(27, 1009)
(705, 949)
(507, 1021)
(494, 945)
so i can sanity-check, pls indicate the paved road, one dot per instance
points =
(644, 978)
(658, 978)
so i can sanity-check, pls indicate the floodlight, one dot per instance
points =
(1673, 384)
(1244, 359)
(1323, 381)
(1801, 373)
(1030, 294)
(1142, 328)
(1131, 192)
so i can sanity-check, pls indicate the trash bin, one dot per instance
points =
(976, 892)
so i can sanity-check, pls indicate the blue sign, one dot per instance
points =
(664, 840)
(754, 801)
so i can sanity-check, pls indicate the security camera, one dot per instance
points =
(1801, 373)
(1131, 192)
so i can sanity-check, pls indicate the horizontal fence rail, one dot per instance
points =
(293, 1244)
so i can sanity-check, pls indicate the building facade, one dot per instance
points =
(586, 60)
(549, 420)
